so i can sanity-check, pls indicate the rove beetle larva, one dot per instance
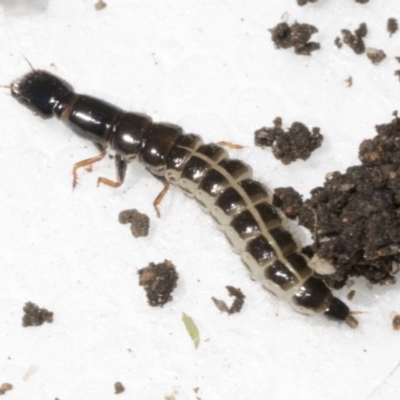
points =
(223, 186)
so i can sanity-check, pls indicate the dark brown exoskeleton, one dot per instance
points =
(223, 186)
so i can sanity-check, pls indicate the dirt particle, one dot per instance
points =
(159, 281)
(338, 42)
(237, 304)
(35, 316)
(355, 41)
(375, 55)
(5, 387)
(296, 36)
(140, 223)
(392, 26)
(349, 81)
(351, 294)
(362, 1)
(288, 200)
(396, 322)
(298, 142)
(119, 387)
(304, 2)
(100, 4)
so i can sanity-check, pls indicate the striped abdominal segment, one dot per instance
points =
(242, 209)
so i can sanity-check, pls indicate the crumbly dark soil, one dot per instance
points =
(356, 214)
(35, 316)
(355, 40)
(140, 223)
(392, 26)
(119, 387)
(298, 142)
(296, 36)
(237, 302)
(158, 280)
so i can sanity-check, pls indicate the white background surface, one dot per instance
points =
(211, 67)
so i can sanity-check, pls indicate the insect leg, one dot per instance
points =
(121, 166)
(87, 163)
(159, 198)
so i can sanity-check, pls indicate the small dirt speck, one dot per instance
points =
(119, 387)
(237, 303)
(100, 5)
(35, 316)
(158, 280)
(396, 322)
(392, 26)
(375, 55)
(349, 81)
(351, 294)
(338, 42)
(140, 223)
(355, 41)
(298, 142)
(304, 2)
(296, 36)
(5, 387)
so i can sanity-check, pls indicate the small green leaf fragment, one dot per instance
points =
(192, 329)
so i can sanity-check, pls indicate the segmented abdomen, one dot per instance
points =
(242, 208)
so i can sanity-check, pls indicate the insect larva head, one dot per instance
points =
(42, 92)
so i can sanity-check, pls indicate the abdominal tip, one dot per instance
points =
(351, 321)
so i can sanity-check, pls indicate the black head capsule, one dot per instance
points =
(43, 93)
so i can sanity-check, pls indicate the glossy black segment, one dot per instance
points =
(128, 132)
(245, 225)
(230, 201)
(183, 148)
(92, 118)
(159, 140)
(255, 190)
(313, 295)
(43, 93)
(213, 151)
(279, 274)
(213, 183)
(300, 264)
(337, 309)
(261, 250)
(269, 214)
(284, 240)
(235, 168)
